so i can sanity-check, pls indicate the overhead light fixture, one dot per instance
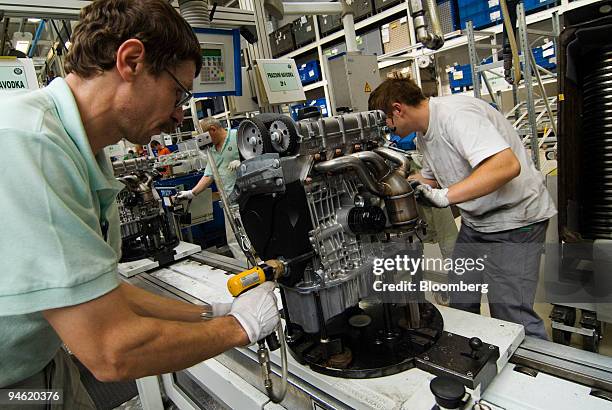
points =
(34, 20)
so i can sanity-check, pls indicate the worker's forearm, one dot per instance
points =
(202, 185)
(145, 303)
(488, 177)
(160, 346)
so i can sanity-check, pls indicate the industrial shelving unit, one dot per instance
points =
(533, 114)
(414, 50)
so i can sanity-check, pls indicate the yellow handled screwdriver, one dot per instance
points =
(268, 270)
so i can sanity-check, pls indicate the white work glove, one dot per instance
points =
(185, 195)
(256, 311)
(234, 165)
(432, 196)
(221, 309)
(216, 309)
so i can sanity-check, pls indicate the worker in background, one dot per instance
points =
(227, 159)
(130, 68)
(473, 157)
(160, 148)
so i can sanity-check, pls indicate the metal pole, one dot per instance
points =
(485, 80)
(473, 58)
(556, 32)
(524, 41)
(348, 22)
(3, 38)
(543, 91)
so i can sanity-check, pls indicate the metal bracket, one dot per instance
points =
(578, 330)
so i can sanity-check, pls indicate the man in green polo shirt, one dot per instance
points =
(129, 70)
(227, 159)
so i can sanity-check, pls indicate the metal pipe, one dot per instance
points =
(397, 157)
(434, 39)
(378, 163)
(355, 164)
(311, 8)
(348, 22)
(394, 185)
(39, 30)
(320, 317)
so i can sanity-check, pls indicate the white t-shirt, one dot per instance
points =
(464, 131)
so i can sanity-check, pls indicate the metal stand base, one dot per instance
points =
(370, 350)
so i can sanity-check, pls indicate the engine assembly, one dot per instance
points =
(330, 189)
(146, 230)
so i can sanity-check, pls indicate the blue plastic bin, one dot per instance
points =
(534, 5)
(321, 103)
(545, 57)
(482, 13)
(461, 78)
(294, 109)
(310, 72)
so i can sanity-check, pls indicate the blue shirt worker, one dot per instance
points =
(130, 68)
(227, 159)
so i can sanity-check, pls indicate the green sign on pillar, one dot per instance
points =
(281, 77)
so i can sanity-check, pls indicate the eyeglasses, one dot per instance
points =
(185, 93)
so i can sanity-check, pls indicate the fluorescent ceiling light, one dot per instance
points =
(34, 20)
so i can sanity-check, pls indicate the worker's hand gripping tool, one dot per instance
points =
(251, 278)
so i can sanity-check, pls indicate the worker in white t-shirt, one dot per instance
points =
(474, 159)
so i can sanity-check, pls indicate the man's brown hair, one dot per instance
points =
(105, 24)
(392, 90)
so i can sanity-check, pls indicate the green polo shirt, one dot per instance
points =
(228, 153)
(55, 195)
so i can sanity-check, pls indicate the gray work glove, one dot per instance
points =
(431, 196)
(185, 195)
(256, 311)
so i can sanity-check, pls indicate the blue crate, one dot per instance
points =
(294, 109)
(321, 103)
(479, 12)
(533, 5)
(549, 61)
(310, 72)
(461, 77)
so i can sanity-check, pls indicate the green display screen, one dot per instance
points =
(211, 52)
